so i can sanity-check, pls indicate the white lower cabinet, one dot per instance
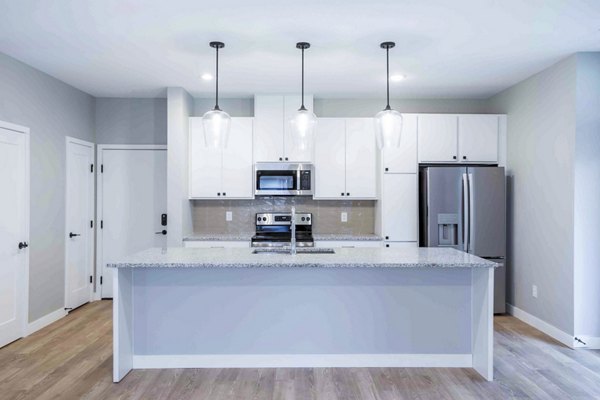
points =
(336, 244)
(400, 212)
(216, 244)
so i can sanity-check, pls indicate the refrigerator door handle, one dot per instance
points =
(471, 213)
(465, 213)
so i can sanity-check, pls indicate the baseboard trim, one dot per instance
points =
(541, 325)
(302, 361)
(591, 342)
(44, 321)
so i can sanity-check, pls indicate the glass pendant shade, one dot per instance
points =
(388, 128)
(216, 128)
(303, 129)
(216, 122)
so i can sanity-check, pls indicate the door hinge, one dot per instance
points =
(91, 224)
(91, 279)
(101, 168)
(101, 280)
(101, 224)
(91, 167)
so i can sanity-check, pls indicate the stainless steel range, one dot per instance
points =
(275, 230)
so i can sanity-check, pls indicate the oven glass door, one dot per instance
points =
(276, 181)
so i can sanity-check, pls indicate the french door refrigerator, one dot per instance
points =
(465, 208)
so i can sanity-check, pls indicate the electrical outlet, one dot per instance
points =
(534, 291)
(228, 216)
(344, 216)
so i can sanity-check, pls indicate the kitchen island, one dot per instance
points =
(357, 307)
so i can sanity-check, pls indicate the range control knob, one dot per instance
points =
(264, 218)
(303, 218)
(308, 218)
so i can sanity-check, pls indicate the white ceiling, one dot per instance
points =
(458, 48)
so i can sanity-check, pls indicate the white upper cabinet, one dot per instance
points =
(404, 158)
(215, 173)
(361, 158)
(345, 159)
(445, 138)
(238, 169)
(330, 158)
(272, 131)
(478, 138)
(268, 123)
(205, 164)
(438, 138)
(400, 209)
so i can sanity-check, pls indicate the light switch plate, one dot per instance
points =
(228, 216)
(344, 216)
(534, 291)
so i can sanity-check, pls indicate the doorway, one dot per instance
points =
(14, 231)
(132, 204)
(79, 223)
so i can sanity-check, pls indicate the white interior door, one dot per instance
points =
(14, 204)
(79, 216)
(134, 196)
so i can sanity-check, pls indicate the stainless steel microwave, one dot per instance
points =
(284, 179)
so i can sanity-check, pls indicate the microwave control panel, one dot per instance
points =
(304, 180)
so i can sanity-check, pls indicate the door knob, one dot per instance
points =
(23, 245)
(163, 232)
(72, 235)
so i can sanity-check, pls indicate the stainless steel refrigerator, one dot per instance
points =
(465, 208)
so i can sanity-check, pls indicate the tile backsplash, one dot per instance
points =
(208, 216)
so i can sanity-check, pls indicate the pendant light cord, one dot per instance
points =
(387, 57)
(217, 82)
(302, 106)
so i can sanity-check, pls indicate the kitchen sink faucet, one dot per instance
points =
(293, 242)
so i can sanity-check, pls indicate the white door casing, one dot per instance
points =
(79, 217)
(132, 196)
(14, 230)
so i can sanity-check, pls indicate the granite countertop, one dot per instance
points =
(179, 257)
(247, 236)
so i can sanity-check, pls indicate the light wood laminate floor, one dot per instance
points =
(72, 359)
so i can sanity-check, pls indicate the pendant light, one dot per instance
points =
(216, 122)
(388, 122)
(304, 121)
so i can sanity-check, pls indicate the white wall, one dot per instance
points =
(52, 110)
(180, 106)
(541, 151)
(587, 197)
(131, 121)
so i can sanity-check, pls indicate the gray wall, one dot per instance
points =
(131, 121)
(587, 196)
(541, 142)
(52, 110)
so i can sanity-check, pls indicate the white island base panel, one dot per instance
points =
(303, 317)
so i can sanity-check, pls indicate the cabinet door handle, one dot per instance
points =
(387, 238)
(387, 245)
(280, 159)
(218, 194)
(342, 193)
(464, 157)
(224, 194)
(348, 194)
(387, 169)
(454, 157)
